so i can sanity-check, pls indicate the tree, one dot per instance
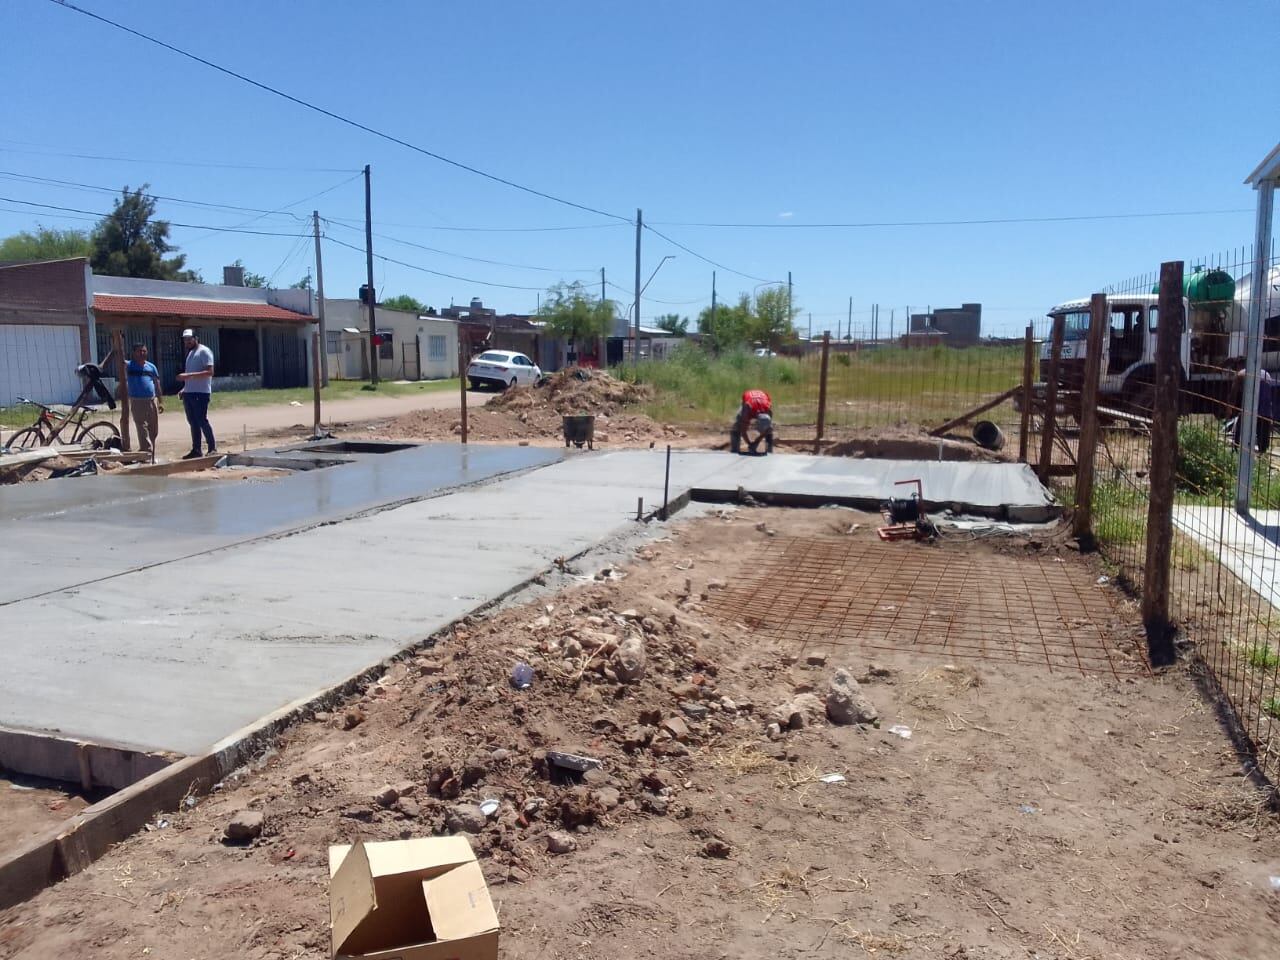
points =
(128, 243)
(573, 314)
(771, 323)
(406, 303)
(47, 243)
(731, 326)
(674, 324)
(251, 279)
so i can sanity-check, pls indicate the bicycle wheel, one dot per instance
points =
(102, 435)
(26, 439)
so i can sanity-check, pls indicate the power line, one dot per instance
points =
(707, 260)
(175, 163)
(420, 226)
(337, 116)
(172, 223)
(461, 256)
(414, 266)
(953, 223)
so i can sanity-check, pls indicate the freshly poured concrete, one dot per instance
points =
(59, 534)
(182, 654)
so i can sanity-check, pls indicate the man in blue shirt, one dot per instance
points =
(144, 397)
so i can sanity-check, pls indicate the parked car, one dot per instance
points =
(764, 352)
(502, 369)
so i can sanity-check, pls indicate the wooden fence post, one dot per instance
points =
(122, 389)
(1099, 321)
(1051, 400)
(1164, 453)
(822, 393)
(1028, 384)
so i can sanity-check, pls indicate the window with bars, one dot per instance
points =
(436, 347)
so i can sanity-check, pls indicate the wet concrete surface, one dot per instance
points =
(60, 533)
(183, 653)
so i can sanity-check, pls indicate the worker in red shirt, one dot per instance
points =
(757, 411)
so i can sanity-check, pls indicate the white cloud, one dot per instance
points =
(785, 214)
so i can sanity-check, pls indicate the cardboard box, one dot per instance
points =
(421, 899)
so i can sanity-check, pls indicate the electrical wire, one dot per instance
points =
(337, 116)
(414, 266)
(354, 221)
(176, 163)
(950, 223)
(721, 266)
(462, 256)
(172, 223)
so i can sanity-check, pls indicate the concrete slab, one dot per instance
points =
(1248, 547)
(178, 655)
(61, 534)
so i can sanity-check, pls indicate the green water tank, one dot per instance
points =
(1206, 286)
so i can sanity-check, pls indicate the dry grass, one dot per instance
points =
(739, 761)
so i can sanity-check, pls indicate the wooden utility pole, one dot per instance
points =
(713, 299)
(324, 337)
(316, 344)
(822, 392)
(849, 332)
(1051, 399)
(1164, 453)
(1028, 385)
(373, 297)
(635, 347)
(1099, 321)
(790, 315)
(463, 360)
(122, 390)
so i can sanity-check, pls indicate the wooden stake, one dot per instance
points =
(1099, 320)
(462, 377)
(122, 389)
(1164, 452)
(1051, 398)
(822, 392)
(1028, 384)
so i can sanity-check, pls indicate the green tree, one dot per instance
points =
(571, 313)
(46, 243)
(771, 323)
(405, 302)
(128, 242)
(674, 324)
(251, 279)
(730, 327)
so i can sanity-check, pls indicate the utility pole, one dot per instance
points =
(603, 298)
(713, 299)
(373, 297)
(849, 335)
(635, 347)
(324, 340)
(791, 316)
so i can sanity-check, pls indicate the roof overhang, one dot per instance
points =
(1268, 169)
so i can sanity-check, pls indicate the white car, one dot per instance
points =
(502, 369)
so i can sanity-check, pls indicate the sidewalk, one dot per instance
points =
(231, 423)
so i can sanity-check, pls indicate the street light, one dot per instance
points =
(670, 256)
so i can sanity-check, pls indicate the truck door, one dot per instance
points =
(1125, 339)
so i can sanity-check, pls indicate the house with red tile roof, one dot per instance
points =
(55, 315)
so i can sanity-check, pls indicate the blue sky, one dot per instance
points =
(697, 112)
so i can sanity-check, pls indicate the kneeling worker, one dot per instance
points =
(757, 410)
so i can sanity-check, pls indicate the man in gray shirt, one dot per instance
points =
(197, 388)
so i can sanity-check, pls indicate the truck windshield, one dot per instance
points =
(1077, 326)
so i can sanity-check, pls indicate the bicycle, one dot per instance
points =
(50, 424)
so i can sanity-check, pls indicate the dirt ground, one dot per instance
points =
(1030, 813)
(29, 806)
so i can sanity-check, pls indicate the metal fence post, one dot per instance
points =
(1051, 400)
(1258, 305)
(122, 390)
(822, 393)
(1082, 521)
(1028, 384)
(1164, 452)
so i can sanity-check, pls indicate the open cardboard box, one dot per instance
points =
(422, 899)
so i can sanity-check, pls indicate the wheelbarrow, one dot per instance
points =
(579, 429)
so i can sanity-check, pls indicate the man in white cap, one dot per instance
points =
(197, 388)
